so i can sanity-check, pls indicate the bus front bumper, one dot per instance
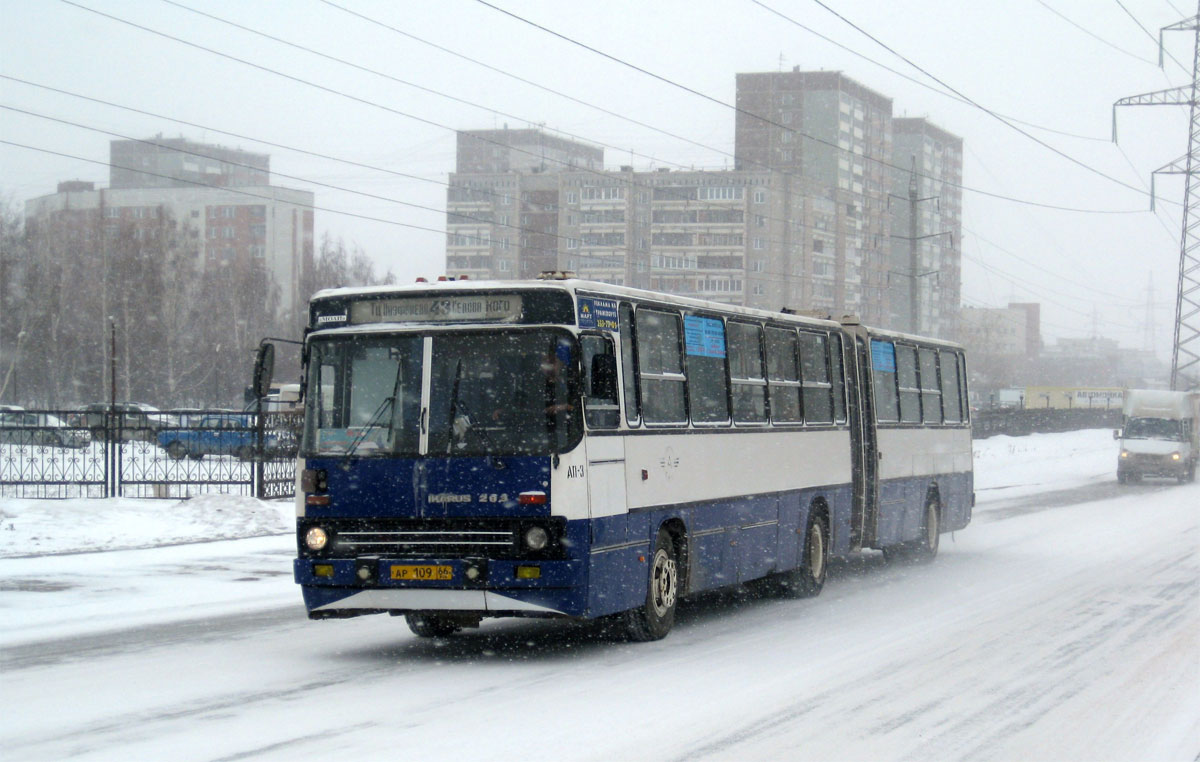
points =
(346, 587)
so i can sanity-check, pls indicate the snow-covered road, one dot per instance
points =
(1064, 623)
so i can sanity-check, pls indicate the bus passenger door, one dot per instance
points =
(862, 444)
(605, 447)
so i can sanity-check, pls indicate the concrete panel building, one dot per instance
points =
(233, 224)
(802, 221)
(928, 166)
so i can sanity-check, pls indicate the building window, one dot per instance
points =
(758, 243)
(760, 196)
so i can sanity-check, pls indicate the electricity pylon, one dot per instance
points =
(1185, 354)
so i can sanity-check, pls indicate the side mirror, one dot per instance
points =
(1116, 433)
(264, 368)
(603, 378)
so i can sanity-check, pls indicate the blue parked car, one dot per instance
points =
(225, 434)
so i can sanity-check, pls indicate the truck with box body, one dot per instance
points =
(1160, 435)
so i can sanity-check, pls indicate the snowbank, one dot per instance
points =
(45, 527)
(1010, 466)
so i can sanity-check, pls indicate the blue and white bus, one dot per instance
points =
(564, 448)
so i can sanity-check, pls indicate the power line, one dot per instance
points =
(582, 256)
(430, 122)
(914, 80)
(1153, 39)
(758, 117)
(227, 188)
(985, 109)
(652, 159)
(1093, 35)
(599, 173)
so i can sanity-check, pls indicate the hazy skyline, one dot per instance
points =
(1056, 64)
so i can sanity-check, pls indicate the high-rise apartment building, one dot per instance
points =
(228, 210)
(833, 136)
(802, 221)
(160, 162)
(926, 252)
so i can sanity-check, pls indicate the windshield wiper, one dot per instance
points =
(457, 404)
(372, 422)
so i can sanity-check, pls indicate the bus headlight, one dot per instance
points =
(1124, 453)
(316, 538)
(1174, 456)
(536, 538)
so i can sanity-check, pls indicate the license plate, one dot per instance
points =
(426, 573)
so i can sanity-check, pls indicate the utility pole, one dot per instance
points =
(914, 260)
(1148, 322)
(1185, 354)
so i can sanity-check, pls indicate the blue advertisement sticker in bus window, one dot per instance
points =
(598, 313)
(883, 356)
(703, 337)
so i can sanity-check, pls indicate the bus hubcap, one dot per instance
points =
(663, 582)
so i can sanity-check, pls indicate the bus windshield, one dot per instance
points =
(508, 392)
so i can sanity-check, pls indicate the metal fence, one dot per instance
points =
(1019, 422)
(168, 454)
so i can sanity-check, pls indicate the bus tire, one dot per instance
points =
(176, 450)
(926, 548)
(653, 620)
(806, 580)
(430, 625)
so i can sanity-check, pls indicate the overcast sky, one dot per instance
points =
(1057, 66)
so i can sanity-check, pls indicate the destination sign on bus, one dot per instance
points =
(439, 309)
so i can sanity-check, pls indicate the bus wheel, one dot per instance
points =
(653, 620)
(176, 450)
(430, 625)
(807, 580)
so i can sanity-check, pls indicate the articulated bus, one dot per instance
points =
(564, 448)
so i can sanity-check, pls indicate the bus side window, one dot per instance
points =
(883, 376)
(660, 367)
(600, 404)
(628, 366)
(838, 378)
(906, 377)
(705, 349)
(746, 371)
(931, 393)
(951, 400)
(814, 373)
(783, 376)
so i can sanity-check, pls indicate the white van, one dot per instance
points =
(1159, 436)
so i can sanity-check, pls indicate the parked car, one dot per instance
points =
(223, 434)
(137, 420)
(44, 429)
